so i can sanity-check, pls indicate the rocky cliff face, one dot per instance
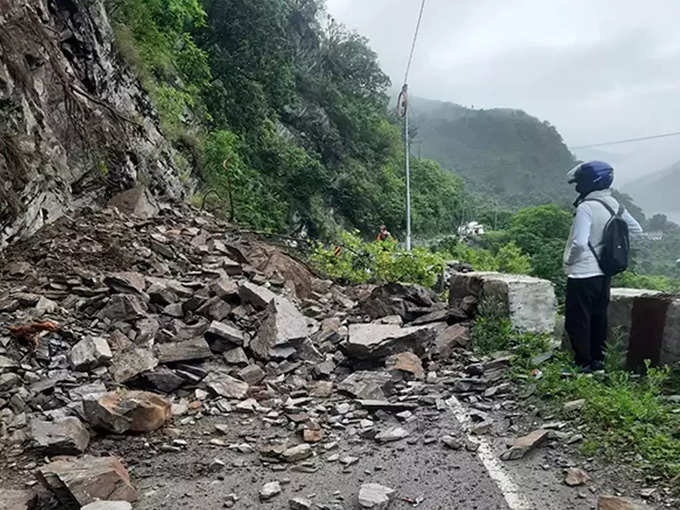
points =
(75, 125)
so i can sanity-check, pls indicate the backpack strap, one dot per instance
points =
(607, 206)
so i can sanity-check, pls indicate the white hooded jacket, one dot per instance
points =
(588, 227)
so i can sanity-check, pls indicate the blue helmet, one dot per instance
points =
(591, 176)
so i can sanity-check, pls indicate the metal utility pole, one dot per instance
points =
(402, 109)
(408, 179)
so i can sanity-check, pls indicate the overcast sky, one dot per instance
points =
(598, 70)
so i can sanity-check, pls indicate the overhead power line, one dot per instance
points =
(415, 39)
(628, 140)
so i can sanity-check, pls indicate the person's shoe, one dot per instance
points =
(597, 366)
(587, 369)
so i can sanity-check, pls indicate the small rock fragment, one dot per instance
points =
(576, 477)
(270, 490)
(375, 496)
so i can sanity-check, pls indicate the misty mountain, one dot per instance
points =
(658, 192)
(501, 152)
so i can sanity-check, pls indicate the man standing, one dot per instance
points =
(588, 284)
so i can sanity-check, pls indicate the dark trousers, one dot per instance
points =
(586, 317)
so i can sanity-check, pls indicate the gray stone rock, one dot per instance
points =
(252, 374)
(367, 385)
(375, 496)
(524, 445)
(91, 352)
(123, 307)
(270, 490)
(87, 479)
(300, 504)
(283, 326)
(375, 341)
(236, 356)
(163, 379)
(67, 436)
(392, 434)
(188, 350)
(131, 363)
(229, 335)
(126, 282)
(6, 363)
(135, 202)
(9, 381)
(297, 453)
(256, 295)
(454, 336)
(224, 385)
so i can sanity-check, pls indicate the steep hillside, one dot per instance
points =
(502, 152)
(659, 192)
(75, 126)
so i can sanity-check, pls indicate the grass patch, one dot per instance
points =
(625, 417)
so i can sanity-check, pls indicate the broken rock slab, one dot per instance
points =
(91, 352)
(87, 479)
(524, 445)
(454, 336)
(67, 436)
(188, 350)
(223, 337)
(224, 385)
(123, 307)
(376, 341)
(529, 302)
(375, 496)
(367, 385)
(283, 325)
(131, 363)
(127, 411)
(256, 295)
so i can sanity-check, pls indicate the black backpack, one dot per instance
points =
(615, 242)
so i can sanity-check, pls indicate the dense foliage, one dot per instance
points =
(295, 102)
(355, 261)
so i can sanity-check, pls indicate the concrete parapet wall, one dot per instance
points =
(648, 323)
(529, 302)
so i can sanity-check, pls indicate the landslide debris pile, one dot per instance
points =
(113, 324)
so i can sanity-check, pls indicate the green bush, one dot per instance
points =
(360, 262)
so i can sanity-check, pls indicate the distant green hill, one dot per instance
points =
(504, 153)
(658, 192)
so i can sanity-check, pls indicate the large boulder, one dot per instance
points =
(67, 436)
(127, 411)
(529, 302)
(87, 479)
(283, 326)
(376, 341)
(407, 301)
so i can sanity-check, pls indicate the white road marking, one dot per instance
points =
(511, 492)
